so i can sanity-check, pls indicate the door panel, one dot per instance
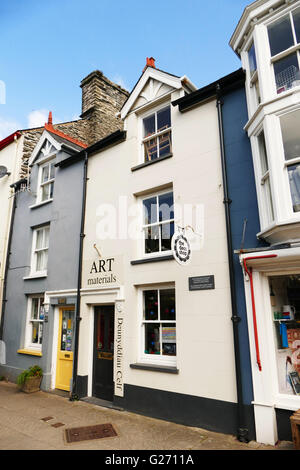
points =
(104, 353)
(64, 367)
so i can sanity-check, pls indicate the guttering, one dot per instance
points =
(74, 394)
(228, 83)
(9, 139)
(242, 431)
(249, 272)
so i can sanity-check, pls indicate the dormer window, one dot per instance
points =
(284, 40)
(46, 186)
(157, 141)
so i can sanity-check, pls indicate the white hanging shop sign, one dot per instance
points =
(181, 248)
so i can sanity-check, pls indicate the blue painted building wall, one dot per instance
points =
(242, 192)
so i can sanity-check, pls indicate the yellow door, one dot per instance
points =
(64, 367)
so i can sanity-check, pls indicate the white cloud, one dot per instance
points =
(7, 127)
(37, 118)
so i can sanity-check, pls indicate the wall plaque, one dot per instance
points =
(201, 282)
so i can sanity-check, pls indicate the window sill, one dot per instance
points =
(30, 352)
(39, 204)
(145, 164)
(152, 259)
(155, 368)
(35, 276)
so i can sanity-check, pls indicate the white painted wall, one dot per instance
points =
(205, 356)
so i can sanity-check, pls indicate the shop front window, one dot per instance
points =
(36, 315)
(284, 40)
(290, 123)
(285, 304)
(159, 323)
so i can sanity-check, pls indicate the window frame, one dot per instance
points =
(155, 359)
(156, 135)
(28, 344)
(158, 223)
(35, 251)
(42, 164)
(294, 49)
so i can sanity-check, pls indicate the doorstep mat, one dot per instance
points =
(87, 433)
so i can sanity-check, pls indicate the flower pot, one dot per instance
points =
(32, 384)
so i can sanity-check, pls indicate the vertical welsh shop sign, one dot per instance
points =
(119, 349)
(181, 248)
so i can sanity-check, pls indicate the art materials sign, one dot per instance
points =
(102, 272)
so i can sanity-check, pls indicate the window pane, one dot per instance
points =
(296, 18)
(152, 239)
(167, 304)
(52, 171)
(167, 232)
(280, 35)
(39, 239)
(150, 210)
(163, 119)
(268, 200)
(286, 73)
(290, 125)
(294, 179)
(149, 125)
(40, 261)
(152, 341)
(166, 208)
(164, 144)
(35, 332)
(51, 190)
(45, 192)
(151, 305)
(46, 237)
(45, 173)
(263, 153)
(168, 335)
(34, 309)
(252, 60)
(151, 150)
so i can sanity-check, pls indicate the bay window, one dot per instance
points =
(290, 123)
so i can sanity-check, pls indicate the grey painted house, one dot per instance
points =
(37, 324)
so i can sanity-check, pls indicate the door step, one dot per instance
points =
(99, 402)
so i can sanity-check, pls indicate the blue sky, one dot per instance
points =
(47, 48)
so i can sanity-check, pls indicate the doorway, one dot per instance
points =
(103, 385)
(64, 366)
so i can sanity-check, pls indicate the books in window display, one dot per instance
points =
(295, 381)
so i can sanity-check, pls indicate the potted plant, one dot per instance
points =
(30, 379)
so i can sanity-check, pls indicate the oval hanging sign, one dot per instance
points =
(181, 248)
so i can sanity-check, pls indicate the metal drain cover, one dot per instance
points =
(87, 433)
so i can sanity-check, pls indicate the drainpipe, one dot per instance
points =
(242, 431)
(249, 272)
(74, 395)
(8, 253)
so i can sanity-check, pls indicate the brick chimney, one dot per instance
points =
(101, 100)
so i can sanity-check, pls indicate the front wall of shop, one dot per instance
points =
(205, 356)
(64, 218)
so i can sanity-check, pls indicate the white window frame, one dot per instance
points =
(28, 344)
(155, 359)
(283, 54)
(265, 183)
(158, 223)
(48, 162)
(35, 250)
(156, 135)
